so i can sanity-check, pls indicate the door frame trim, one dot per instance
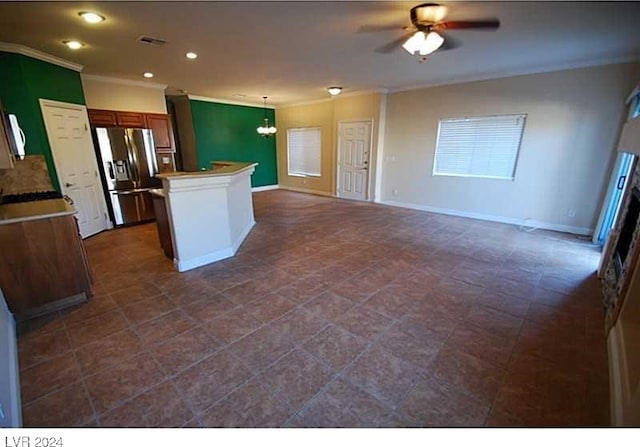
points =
(83, 109)
(339, 141)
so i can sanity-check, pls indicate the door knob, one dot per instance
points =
(69, 185)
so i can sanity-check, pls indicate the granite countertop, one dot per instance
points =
(39, 209)
(157, 192)
(219, 168)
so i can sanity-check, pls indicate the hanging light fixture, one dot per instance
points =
(265, 130)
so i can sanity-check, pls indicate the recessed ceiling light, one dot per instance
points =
(73, 44)
(334, 90)
(91, 17)
(147, 74)
(191, 55)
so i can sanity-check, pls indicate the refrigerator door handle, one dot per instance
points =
(133, 159)
(112, 175)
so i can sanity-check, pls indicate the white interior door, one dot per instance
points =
(354, 146)
(75, 159)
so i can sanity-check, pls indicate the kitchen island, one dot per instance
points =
(209, 212)
(43, 264)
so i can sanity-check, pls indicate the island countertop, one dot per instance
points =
(39, 209)
(219, 168)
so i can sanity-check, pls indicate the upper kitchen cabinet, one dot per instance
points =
(113, 118)
(160, 125)
(130, 119)
(102, 117)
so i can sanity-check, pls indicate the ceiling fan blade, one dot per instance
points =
(449, 44)
(393, 45)
(489, 24)
(378, 28)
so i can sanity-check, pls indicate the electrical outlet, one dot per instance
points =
(572, 213)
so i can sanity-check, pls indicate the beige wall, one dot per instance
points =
(100, 93)
(573, 122)
(326, 115)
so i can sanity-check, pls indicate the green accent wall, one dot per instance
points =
(23, 81)
(228, 132)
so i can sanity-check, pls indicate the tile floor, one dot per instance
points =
(332, 314)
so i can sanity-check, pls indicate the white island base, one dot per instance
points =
(210, 213)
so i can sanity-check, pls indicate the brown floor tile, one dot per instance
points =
(106, 352)
(148, 309)
(164, 327)
(94, 329)
(384, 375)
(210, 380)
(468, 374)
(36, 347)
(300, 324)
(343, 405)
(365, 322)
(161, 406)
(249, 406)
(269, 307)
(412, 342)
(403, 280)
(335, 346)
(262, 347)
(48, 376)
(110, 387)
(296, 378)
(329, 305)
(209, 308)
(137, 292)
(434, 404)
(481, 344)
(182, 351)
(66, 407)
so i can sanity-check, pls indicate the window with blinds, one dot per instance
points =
(304, 151)
(484, 147)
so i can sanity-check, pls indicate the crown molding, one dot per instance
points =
(30, 52)
(382, 91)
(521, 72)
(130, 82)
(227, 101)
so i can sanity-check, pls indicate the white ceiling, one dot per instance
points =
(292, 51)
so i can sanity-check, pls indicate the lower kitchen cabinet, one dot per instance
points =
(43, 266)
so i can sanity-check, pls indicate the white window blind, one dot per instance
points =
(479, 147)
(304, 151)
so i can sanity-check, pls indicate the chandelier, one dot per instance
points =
(265, 130)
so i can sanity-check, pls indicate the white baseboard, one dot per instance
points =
(189, 264)
(308, 191)
(508, 220)
(265, 188)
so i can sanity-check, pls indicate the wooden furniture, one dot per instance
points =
(114, 118)
(43, 265)
(160, 125)
(162, 222)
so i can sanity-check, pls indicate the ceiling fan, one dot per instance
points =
(426, 32)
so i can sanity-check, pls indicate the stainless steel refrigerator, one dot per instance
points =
(129, 167)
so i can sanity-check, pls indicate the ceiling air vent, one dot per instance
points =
(151, 40)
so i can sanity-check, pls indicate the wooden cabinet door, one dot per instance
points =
(160, 125)
(102, 117)
(130, 119)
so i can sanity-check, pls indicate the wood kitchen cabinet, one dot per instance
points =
(43, 266)
(160, 125)
(115, 118)
(103, 118)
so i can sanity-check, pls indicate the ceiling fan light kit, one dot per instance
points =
(427, 30)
